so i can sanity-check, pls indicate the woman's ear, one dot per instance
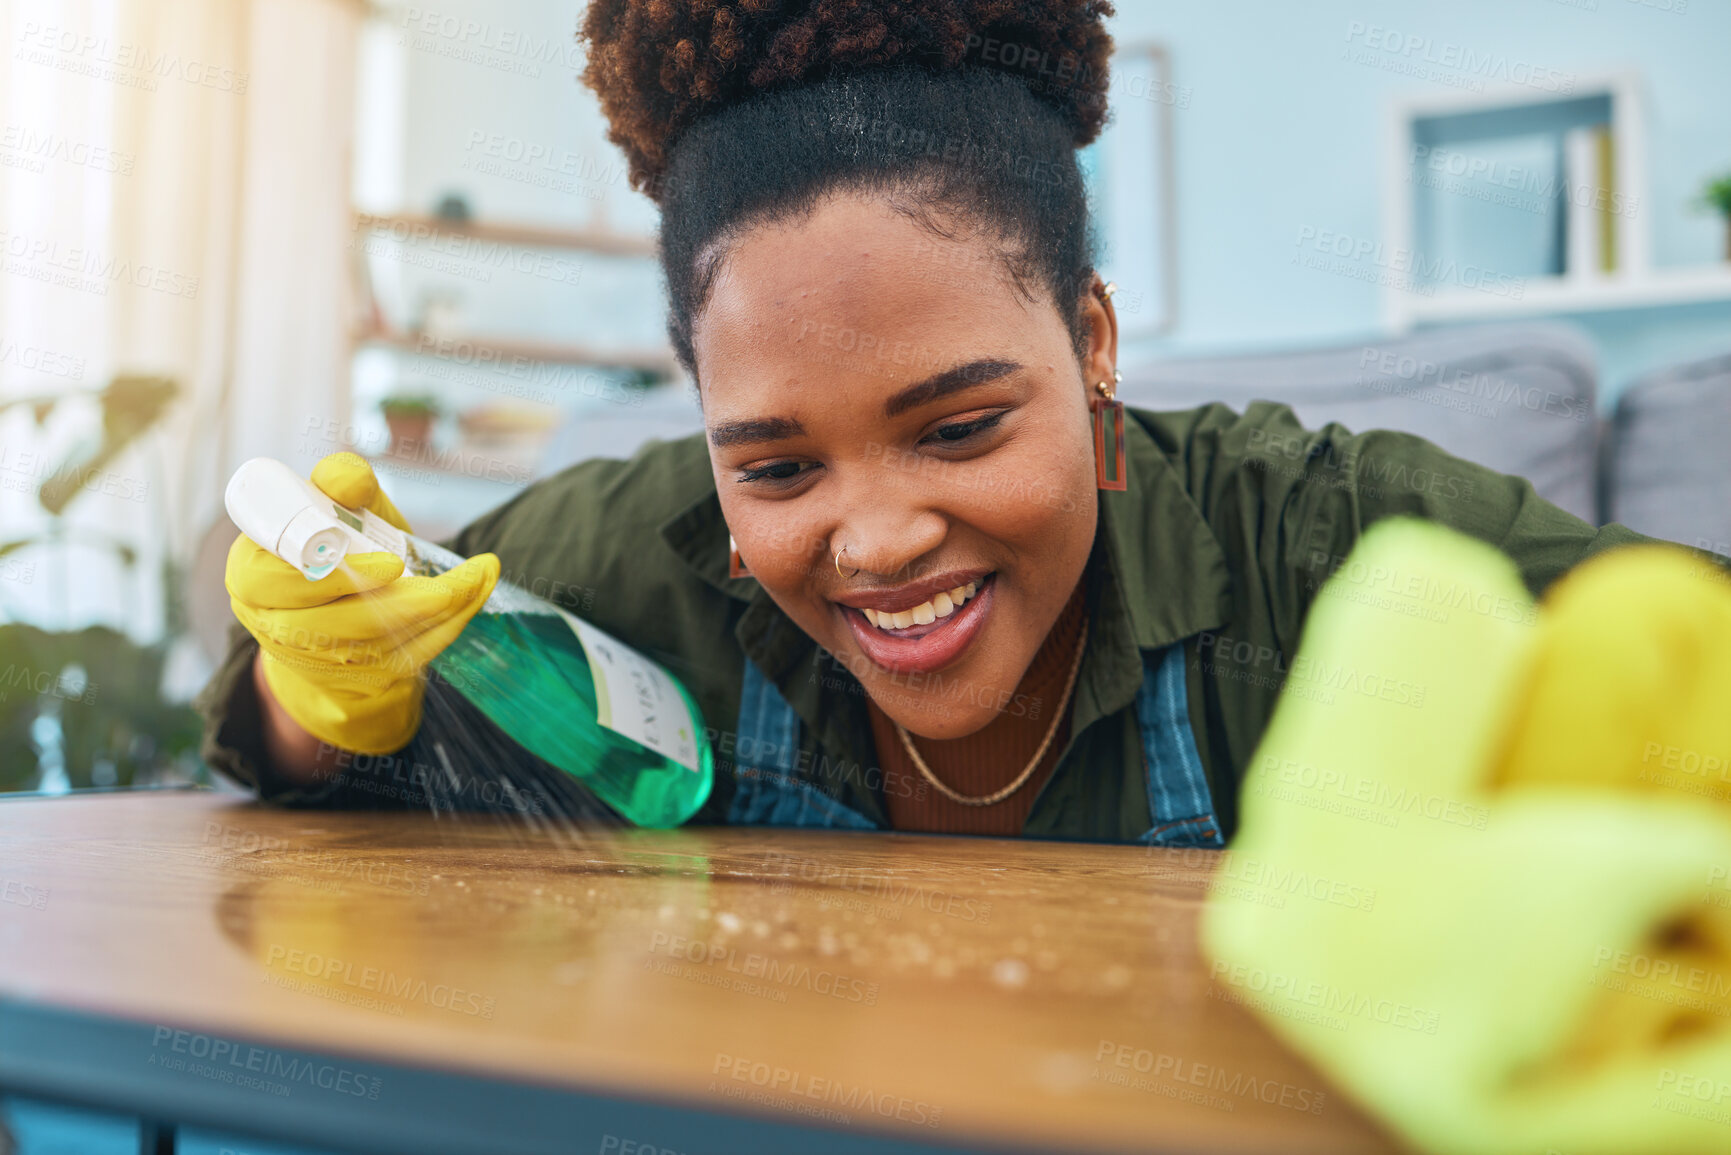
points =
(1100, 328)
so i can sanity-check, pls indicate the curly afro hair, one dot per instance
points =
(954, 111)
(660, 65)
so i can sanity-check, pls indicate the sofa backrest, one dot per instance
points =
(620, 429)
(1517, 398)
(1669, 464)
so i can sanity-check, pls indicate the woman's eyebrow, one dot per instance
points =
(938, 385)
(947, 382)
(753, 431)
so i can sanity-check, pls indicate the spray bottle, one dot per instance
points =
(562, 689)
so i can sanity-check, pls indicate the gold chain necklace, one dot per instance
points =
(1027, 771)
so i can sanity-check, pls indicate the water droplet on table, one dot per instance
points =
(1010, 973)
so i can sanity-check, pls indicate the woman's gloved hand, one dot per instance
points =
(345, 655)
(1632, 692)
(1512, 934)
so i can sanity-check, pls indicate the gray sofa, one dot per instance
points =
(618, 429)
(1667, 463)
(1519, 398)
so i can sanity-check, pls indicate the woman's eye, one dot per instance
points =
(778, 471)
(962, 430)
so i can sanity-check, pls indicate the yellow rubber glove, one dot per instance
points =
(345, 655)
(1632, 692)
(1457, 939)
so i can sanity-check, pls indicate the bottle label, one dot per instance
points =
(636, 697)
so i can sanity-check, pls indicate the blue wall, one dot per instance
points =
(1277, 132)
(1282, 132)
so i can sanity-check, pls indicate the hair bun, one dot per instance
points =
(660, 65)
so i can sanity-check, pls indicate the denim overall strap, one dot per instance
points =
(1178, 795)
(766, 753)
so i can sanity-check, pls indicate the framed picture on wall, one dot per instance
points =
(1129, 174)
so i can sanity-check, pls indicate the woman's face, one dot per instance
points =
(871, 386)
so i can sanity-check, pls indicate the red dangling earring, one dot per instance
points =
(1109, 435)
(736, 567)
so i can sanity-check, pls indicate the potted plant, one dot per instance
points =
(85, 708)
(410, 419)
(1717, 196)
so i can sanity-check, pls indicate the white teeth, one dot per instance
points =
(942, 605)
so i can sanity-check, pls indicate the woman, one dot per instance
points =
(976, 596)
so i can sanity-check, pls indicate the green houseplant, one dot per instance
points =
(86, 705)
(410, 419)
(1717, 196)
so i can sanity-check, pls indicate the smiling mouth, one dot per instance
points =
(939, 606)
(925, 645)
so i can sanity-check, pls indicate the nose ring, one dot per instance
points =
(838, 554)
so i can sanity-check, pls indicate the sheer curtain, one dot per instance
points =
(174, 201)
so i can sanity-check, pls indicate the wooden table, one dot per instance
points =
(392, 982)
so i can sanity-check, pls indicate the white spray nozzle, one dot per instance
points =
(291, 518)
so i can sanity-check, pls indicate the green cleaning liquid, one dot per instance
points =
(580, 699)
(565, 691)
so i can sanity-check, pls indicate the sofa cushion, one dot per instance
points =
(1669, 473)
(1517, 398)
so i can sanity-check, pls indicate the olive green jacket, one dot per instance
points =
(1228, 528)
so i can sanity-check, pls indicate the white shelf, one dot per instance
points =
(1545, 296)
(1637, 286)
(412, 227)
(507, 349)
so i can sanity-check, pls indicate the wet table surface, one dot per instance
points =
(950, 990)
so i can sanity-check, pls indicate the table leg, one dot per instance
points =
(155, 1138)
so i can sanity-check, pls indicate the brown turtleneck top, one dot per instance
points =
(990, 758)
